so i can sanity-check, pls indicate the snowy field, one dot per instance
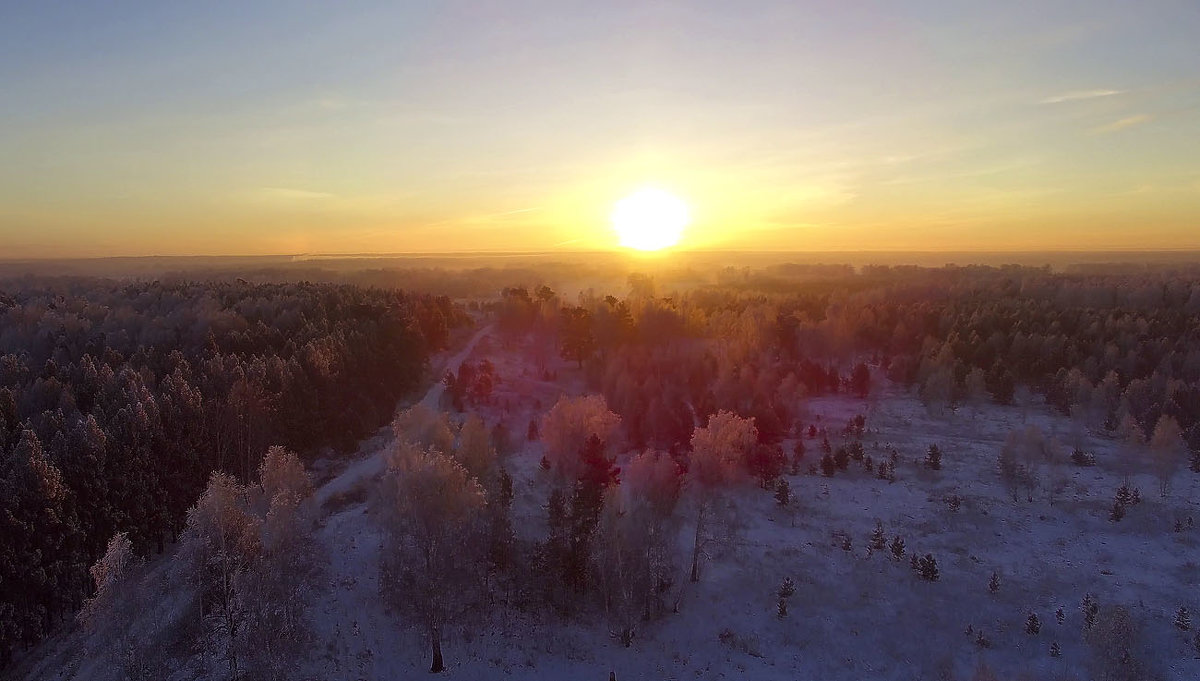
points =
(856, 614)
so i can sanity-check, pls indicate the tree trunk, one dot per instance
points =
(696, 545)
(435, 638)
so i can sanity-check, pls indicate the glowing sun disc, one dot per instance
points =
(650, 219)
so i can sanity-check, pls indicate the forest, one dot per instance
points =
(117, 401)
(590, 461)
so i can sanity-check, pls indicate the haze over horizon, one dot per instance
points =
(137, 128)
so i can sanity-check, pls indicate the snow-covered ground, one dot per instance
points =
(854, 615)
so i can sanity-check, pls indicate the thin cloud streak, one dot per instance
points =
(1121, 124)
(1080, 95)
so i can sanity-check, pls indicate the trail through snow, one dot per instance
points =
(372, 465)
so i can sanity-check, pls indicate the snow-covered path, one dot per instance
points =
(372, 464)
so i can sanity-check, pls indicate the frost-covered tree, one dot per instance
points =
(218, 550)
(718, 452)
(1167, 451)
(108, 575)
(279, 585)
(431, 563)
(421, 425)
(567, 426)
(474, 449)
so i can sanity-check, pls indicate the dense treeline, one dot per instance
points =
(117, 400)
(1117, 348)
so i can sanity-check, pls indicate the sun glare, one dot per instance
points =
(650, 219)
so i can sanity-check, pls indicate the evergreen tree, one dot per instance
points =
(1183, 619)
(797, 457)
(1090, 609)
(1033, 625)
(841, 458)
(933, 458)
(994, 583)
(928, 568)
(878, 540)
(1118, 511)
(783, 492)
(1060, 616)
(1055, 649)
(828, 467)
(897, 547)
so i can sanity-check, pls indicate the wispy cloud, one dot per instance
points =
(289, 193)
(1121, 124)
(1079, 95)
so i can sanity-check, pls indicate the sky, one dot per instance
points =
(223, 128)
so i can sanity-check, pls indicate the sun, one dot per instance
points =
(650, 219)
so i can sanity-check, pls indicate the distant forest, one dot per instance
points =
(117, 400)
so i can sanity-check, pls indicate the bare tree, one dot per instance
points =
(431, 565)
(718, 455)
(634, 539)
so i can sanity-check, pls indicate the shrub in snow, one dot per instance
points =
(897, 547)
(982, 641)
(1055, 649)
(1033, 625)
(994, 583)
(1080, 457)
(1060, 616)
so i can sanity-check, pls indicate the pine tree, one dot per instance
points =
(1055, 649)
(1118, 511)
(788, 588)
(897, 547)
(994, 583)
(846, 544)
(1090, 610)
(1060, 616)
(1033, 625)
(797, 457)
(783, 492)
(929, 568)
(1183, 618)
(915, 563)
(828, 467)
(933, 458)
(878, 540)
